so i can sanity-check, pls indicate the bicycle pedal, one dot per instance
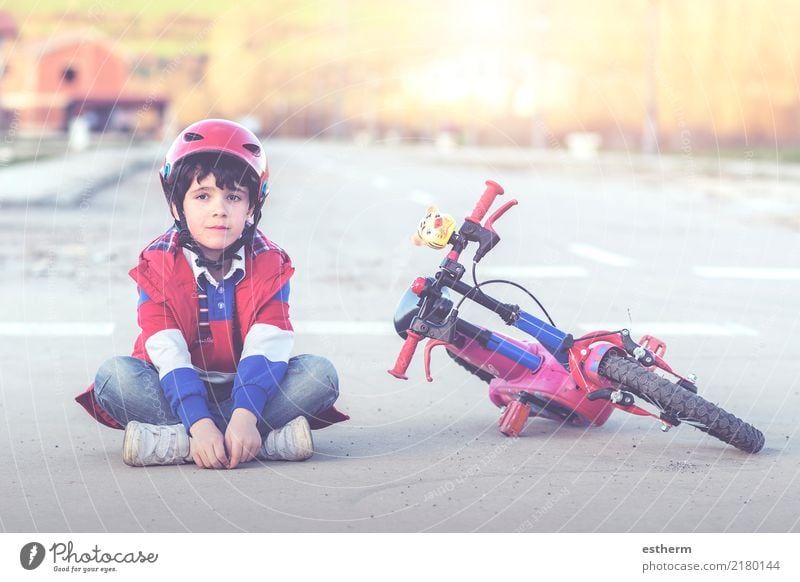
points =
(512, 421)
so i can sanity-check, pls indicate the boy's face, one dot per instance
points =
(216, 217)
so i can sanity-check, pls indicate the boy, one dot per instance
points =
(211, 380)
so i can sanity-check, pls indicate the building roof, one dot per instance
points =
(121, 100)
(85, 36)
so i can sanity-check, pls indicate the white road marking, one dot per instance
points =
(534, 271)
(764, 274)
(601, 256)
(369, 328)
(380, 182)
(658, 328)
(55, 329)
(421, 197)
(676, 328)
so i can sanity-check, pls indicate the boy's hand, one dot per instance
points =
(208, 445)
(242, 439)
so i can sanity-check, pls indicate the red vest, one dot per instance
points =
(166, 277)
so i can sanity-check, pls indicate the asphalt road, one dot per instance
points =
(661, 248)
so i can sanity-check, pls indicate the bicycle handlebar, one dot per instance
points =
(493, 190)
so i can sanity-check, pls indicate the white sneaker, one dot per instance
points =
(291, 442)
(150, 444)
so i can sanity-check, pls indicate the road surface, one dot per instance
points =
(687, 256)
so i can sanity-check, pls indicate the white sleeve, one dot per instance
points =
(168, 351)
(269, 341)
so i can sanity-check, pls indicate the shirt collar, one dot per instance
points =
(237, 264)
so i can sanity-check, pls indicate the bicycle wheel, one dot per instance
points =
(681, 403)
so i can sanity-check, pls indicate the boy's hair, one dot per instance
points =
(228, 171)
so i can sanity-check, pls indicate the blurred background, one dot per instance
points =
(633, 75)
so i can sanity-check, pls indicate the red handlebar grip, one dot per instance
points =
(493, 190)
(405, 356)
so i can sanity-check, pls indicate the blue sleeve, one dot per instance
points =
(186, 394)
(258, 376)
(256, 383)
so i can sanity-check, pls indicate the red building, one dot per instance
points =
(8, 32)
(47, 84)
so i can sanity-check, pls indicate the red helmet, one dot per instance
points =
(219, 135)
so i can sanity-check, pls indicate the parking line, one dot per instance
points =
(664, 328)
(421, 197)
(535, 271)
(380, 182)
(758, 273)
(677, 328)
(601, 256)
(55, 329)
(368, 328)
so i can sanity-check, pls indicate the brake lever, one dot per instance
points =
(427, 356)
(489, 225)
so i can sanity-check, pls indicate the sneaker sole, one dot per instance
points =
(128, 444)
(304, 436)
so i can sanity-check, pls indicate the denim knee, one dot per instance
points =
(310, 387)
(322, 371)
(111, 372)
(128, 388)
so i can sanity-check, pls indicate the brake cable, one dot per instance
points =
(477, 287)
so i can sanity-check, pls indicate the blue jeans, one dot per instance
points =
(129, 389)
